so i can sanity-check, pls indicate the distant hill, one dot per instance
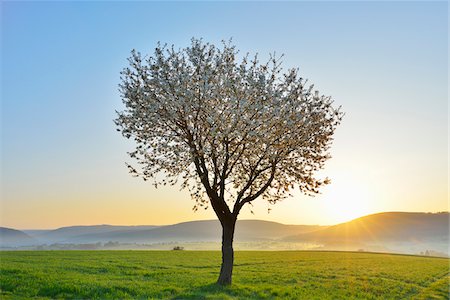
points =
(194, 231)
(387, 226)
(388, 230)
(76, 233)
(12, 237)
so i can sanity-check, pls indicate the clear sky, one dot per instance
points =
(62, 161)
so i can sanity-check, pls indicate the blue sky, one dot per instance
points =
(386, 63)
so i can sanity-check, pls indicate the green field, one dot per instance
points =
(191, 275)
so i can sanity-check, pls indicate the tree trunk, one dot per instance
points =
(226, 269)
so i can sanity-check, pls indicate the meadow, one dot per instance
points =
(191, 275)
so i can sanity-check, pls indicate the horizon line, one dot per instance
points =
(180, 222)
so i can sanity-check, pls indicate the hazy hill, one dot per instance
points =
(390, 226)
(390, 231)
(67, 234)
(194, 231)
(36, 232)
(13, 237)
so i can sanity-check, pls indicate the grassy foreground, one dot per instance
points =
(191, 275)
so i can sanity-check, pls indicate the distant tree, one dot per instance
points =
(230, 130)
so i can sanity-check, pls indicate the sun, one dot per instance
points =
(347, 198)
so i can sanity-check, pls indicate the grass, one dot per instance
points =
(191, 275)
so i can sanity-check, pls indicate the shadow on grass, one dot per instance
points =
(211, 291)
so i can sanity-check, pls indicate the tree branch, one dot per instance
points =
(239, 204)
(224, 169)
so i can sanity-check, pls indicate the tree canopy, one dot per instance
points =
(230, 129)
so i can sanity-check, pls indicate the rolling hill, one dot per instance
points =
(401, 232)
(385, 231)
(194, 231)
(12, 237)
(388, 226)
(76, 233)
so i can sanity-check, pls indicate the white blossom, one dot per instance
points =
(231, 130)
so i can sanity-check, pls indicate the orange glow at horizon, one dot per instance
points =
(138, 203)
